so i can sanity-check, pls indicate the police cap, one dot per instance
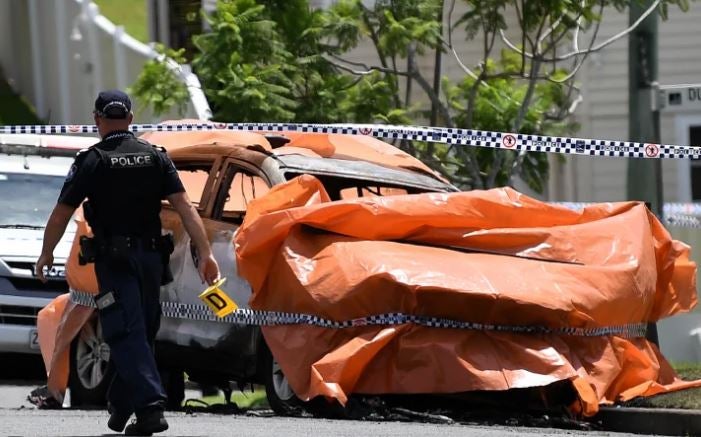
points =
(112, 104)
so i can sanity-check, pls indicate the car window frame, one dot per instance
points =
(206, 205)
(229, 169)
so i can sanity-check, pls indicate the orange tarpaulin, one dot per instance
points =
(61, 320)
(492, 257)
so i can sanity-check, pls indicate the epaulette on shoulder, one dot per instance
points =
(160, 148)
(82, 152)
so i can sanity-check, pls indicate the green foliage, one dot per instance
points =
(244, 65)
(280, 60)
(158, 87)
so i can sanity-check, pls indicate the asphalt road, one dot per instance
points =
(20, 418)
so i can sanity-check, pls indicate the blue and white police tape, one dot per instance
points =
(452, 136)
(244, 316)
(679, 208)
(683, 221)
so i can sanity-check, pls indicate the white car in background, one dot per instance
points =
(32, 171)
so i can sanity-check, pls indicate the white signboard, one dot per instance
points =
(680, 98)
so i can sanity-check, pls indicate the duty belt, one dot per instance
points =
(131, 242)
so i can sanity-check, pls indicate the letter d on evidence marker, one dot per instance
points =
(217, 300)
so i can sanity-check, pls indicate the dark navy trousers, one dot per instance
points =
(129, 326)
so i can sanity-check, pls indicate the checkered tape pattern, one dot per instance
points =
(452, 136)
(693, 209)
(244, 316)
(683, 221)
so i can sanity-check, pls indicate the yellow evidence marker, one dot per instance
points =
(218, 301)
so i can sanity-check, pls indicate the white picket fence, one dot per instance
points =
(59, 53)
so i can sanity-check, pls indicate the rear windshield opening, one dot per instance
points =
(347, 188)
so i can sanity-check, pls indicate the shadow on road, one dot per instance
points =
(22, 369)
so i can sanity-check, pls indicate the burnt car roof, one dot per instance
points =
(339, 146)
(300, 160)
(363, 170)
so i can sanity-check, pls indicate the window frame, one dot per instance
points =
(205, 206)
(230, 167)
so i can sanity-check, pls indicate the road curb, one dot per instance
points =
(660, 421)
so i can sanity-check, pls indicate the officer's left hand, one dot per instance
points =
(45, 260)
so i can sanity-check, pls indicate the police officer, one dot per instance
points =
(124, 180)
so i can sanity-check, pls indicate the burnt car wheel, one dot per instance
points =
(90, 367)
(281, 398)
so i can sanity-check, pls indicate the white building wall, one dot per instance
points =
(14, 42)
(604, 113)
(6, 52)
(71, 55)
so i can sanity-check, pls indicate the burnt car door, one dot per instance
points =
(201, 177)
(189, 331)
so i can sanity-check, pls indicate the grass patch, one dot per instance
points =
(248, 400)
(14, 109)
(132, 14)
(688, 371)
(685, 399)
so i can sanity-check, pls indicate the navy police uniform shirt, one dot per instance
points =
(124, 179)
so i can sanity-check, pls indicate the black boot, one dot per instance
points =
(147, 423)
(118, 421)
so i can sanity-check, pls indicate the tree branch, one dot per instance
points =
(575, 37)
(539, 33)
(374, 37)
(550, 30)
(580, 61)
(411, 50)
(535, 66)
(428, 89)
(467, 155)
(594, 49)
(524, 35)
(488, 46)
(368, 69)
(496, 166)
(616, 37)
(553, 43)
(449, 45)
(513, 47)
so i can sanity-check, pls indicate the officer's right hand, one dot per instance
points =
(208, 269)
(45, 260)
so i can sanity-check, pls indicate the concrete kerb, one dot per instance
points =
(660, 421)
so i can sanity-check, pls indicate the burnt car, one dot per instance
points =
(385, 281)
(222, 172)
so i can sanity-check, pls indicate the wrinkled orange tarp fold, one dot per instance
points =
(494, 257)
(64, 319)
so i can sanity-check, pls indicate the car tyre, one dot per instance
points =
(281, 398)
(91, 370)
